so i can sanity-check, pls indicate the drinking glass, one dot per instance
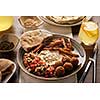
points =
(89, 32)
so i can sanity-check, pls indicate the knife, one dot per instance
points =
(93, 59)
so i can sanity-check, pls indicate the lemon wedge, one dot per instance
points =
(90, 28)
(89, 33)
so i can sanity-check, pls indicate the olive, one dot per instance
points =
(59, 71)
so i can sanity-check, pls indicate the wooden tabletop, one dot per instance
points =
(17, 29)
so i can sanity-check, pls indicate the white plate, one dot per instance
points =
(67, 25)
(10, 75)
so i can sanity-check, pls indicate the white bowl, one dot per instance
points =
(13, 70)
(22, 19)
(10, 38)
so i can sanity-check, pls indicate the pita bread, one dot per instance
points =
(31, 39)
(65, 19)
(6, 67)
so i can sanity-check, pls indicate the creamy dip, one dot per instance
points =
(50, 57)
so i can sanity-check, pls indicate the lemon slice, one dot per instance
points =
(90, 28)
(6, 22)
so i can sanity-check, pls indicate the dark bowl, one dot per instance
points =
(12, 38)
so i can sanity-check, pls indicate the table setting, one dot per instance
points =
(49, 49)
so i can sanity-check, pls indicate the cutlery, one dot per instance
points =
(93, 59)
(95, 64)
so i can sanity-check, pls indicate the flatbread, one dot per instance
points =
(65, 19)
(31, 39)
(5, 68)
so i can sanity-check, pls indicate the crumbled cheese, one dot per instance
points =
(50, 57)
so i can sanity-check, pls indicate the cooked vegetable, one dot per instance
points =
(66, 59)
(55, 59)
(74, 61)
(5, 45)
(68, 66)
(49, 72)
(59, 71)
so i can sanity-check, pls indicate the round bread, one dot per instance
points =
(33, 38)
(65, 19)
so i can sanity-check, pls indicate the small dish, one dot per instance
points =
(6, 22)
(30, 22)
(7, 69)
(8, 42)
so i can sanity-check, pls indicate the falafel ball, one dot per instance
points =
(59, 71)
(66, 59)
(68, 66)
(74, 61)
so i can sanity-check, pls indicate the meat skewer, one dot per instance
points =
(63, 41)
(54, 43)
(66, 52)
(37, 48)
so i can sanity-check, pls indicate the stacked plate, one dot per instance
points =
(64, 20)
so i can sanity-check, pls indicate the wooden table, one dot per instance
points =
(17, 29)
